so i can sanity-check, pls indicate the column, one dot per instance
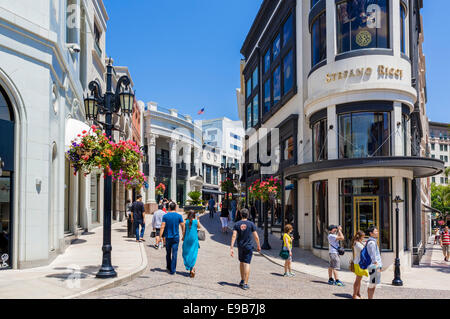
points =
(73, 198)
(173, 163)
(332, 135)
(395, 23)
(397, 134)
(331, 26)
(187, 159)
(152, 168)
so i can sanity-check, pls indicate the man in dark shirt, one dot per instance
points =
(211, 207)
(170, 231)
(138, 218)
(243, 231)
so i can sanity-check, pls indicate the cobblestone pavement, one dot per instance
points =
(218, 276)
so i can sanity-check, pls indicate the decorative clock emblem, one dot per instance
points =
(364, 38)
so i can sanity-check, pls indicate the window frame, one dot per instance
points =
(314, 20)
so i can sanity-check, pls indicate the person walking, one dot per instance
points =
(170, 231)
(334, 237)
(445, 243)
(357, 247)
(287, 246)
(437, 237)
(190, 242)
(130, 228)
(211, 207)
(138, 218)
(243, 230)
(156, 224)
(375, 256)
(233, 208)
(224, 217)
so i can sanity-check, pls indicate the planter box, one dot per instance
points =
(200, 209)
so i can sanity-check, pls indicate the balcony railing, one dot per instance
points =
(163, 161)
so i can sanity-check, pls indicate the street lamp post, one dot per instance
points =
(230, 172)
(397, 280)
(108, 104)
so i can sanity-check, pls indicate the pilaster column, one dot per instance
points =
(397, 130)
(152, 168)
(331, 27)
(187, 160)
(173, 163)
(332, 136)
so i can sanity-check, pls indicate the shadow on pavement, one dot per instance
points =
(345, 296)
(321, 282)
(223, 283)
(214, 228)
(78, 241)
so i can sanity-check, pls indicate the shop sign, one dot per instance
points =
(384, 72)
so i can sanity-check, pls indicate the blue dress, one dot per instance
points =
(190, 245)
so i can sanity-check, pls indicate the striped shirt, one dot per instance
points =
(445, 238)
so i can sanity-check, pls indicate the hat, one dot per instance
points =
(331, 227)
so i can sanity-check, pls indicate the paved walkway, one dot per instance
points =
(73, 273)
(217, 277)
(432, 273)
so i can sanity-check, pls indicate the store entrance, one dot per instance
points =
(366, 213)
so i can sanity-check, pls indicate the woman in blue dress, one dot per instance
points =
(190, 243)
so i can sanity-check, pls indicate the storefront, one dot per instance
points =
(6, 180)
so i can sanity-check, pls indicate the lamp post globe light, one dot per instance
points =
(397, 280)
(108, 104)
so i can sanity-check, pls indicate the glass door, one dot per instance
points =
(366, 213)
(5, 220)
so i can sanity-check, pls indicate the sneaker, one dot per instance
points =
(331, 282)
(286, 274)
(245, 287)
(339, 283)
(291, 274)
(241, 284)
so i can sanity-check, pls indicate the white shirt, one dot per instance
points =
(357, 250)
(332, 242)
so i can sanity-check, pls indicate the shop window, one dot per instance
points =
(288, 149)
(362, 24)
(252, 104)
(320, 206)
(319, 39)
(320, 138)
(364, 134)
(403, 28)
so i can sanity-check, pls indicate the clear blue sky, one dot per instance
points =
(185, 54)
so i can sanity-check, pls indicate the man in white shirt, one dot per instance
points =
(156, 223)
(376, 266)
(334, 237)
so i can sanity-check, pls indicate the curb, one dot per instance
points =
(114, 282)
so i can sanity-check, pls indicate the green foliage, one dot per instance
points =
(440, 198)
(195, 198)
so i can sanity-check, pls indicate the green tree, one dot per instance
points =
(440, 198)
(447, 171)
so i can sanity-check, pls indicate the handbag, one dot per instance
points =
(284, 254)
(340, 250)
(201, 234)
(153, 234)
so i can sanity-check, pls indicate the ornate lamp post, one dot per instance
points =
(397, 281)
(108, 104)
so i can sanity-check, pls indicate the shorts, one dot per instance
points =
(335, 262)
(157, 232)
(374, 277)
(290, 257)
(224, 221)
(245, 255)
(446, 249)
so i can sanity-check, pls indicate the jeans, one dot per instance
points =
(171, 253)
(211, 212)
(136, 229)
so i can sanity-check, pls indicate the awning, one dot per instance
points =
(73, 128)
(431, 208)
(212, 191)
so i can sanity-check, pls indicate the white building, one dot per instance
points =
(331, 109)
(175, 152)
(49, 53)
(440, 148)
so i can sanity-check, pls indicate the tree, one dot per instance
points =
(440, 199)
(447, 171)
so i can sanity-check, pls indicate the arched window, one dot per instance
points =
(6, 112)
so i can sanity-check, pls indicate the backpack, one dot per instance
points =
(365, 261)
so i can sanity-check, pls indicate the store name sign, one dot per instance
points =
(384, 72)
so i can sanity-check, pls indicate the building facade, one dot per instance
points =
(329, 102)
(440, 148)
(174, 144)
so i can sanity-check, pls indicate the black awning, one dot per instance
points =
(421, 166)
(212, 191)
(431, 208)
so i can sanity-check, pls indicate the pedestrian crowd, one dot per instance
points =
(166, 223)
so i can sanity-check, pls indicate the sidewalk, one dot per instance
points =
(432, 273)
(72, 274)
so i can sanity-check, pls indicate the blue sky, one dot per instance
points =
(185, 54)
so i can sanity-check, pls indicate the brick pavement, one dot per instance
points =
(218, 277)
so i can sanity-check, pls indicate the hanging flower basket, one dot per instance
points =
(269, 189)
(160, 189)
(95, 150)
(227, 186)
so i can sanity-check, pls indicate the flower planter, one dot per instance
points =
(199, 209)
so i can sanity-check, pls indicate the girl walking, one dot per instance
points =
(287, 251)
(357, 247)
(190, 243)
